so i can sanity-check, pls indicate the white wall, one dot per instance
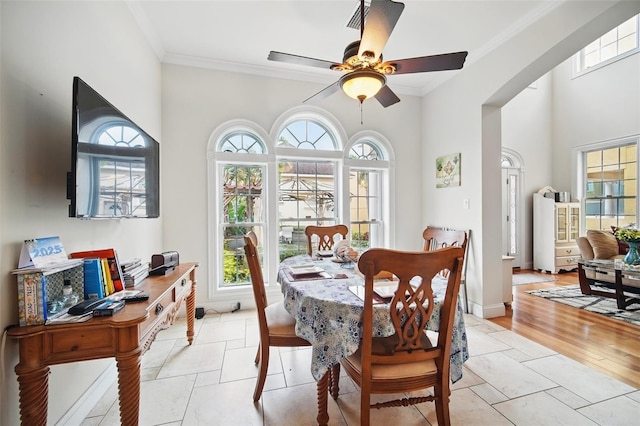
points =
(526, 129)
(599, 106)
(196, 101)
(45, 44)
(474, 98)
(563, 112)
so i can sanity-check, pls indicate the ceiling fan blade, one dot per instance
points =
(325, 93)
(446, 61)
(300, 60)
(386, 97)
(382, 17)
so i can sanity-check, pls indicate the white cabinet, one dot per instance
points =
(556, 226)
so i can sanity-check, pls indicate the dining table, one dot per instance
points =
(324, 295)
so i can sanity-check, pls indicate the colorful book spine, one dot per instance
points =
(106, 275)
(32, 297)
(93, 283)
(114, 264)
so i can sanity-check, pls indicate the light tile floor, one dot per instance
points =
(508, 380)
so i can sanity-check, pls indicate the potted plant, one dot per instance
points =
(631, 236)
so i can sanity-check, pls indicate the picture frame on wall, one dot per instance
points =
(448, 170)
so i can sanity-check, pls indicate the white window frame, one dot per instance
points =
(226, 297)
(579, 184)
(578, 68)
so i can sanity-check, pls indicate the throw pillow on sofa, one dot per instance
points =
(604, 243)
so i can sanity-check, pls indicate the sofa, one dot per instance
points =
(601, 245)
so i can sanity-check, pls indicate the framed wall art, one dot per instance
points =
(448, 171)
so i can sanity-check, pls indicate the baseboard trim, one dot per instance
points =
(497, 310)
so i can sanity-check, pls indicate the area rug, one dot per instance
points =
(571, 295)
(519, 279)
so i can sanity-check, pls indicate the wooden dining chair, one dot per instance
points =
(326, 236)
(408, 360)
(437, 238)
(277, 326)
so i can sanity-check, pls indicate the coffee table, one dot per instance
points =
(610, 278)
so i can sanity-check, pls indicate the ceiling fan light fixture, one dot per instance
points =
(362, 84)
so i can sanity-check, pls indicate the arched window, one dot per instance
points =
(365, 151)
(241, 142)
(241, 203)
(307, 134)
(307, 183)
(368, 177)
(304, 172)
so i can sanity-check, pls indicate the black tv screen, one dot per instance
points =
(115, 164)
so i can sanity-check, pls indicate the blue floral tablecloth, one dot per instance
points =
(328, 315)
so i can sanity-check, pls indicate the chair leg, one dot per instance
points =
(442, 404)
(263, 365)
(365, 409)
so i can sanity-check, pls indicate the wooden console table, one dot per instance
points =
(125, 336)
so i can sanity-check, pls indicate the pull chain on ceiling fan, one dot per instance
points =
(365, 71)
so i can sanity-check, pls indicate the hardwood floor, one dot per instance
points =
(609, 346)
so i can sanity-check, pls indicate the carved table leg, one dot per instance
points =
(129, 387)
(335, 380)
(323, 413)
(191, 308)
(34, 394)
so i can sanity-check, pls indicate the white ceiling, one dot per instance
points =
(238, 35)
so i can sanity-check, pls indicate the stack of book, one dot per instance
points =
(134, 271)
(102, 272)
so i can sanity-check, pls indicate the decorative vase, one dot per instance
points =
(633, 255)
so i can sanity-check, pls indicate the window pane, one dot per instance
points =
(306, 196)
(365, 151)
(615, 42)
(365, 190)
(608, 52)
(609, 37)
(242, 210)
(611, 187)
(242, 142)
(307, 134)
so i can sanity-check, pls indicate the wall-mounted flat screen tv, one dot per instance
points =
(115, 164)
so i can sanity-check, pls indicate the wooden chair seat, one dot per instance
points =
(410, 375)
(279, 322)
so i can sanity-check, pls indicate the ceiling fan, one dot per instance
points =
(365, 70)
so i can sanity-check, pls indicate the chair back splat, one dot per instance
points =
(326, 236)
(277, 327)
(407, 360)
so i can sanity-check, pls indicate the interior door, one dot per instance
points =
(510, 215)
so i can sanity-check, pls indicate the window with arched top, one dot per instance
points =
(241, 203)
(366, 194)
(308, 192)
(305, 172)
(505, 161)
(307, 134)
(242, 142)
(365, 150)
